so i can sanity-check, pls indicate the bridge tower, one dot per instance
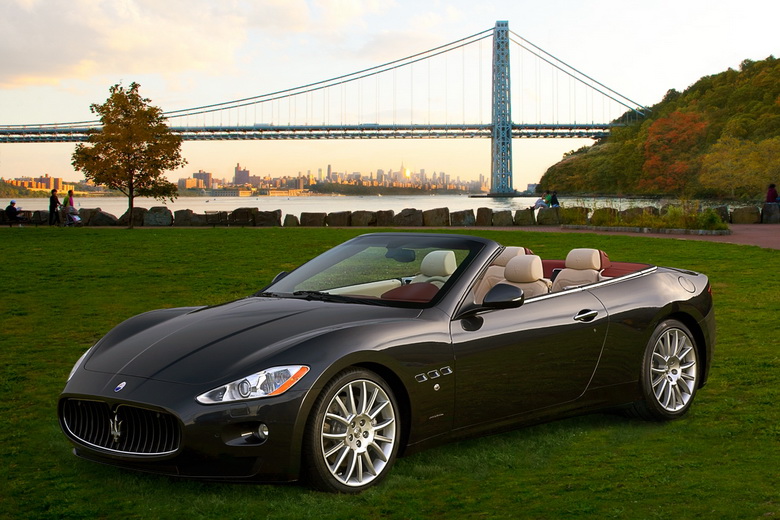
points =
(501, 138)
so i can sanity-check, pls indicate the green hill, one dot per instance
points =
(718, 138)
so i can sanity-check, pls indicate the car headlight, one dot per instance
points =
(266, 383)
(78, 363)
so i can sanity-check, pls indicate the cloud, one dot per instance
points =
(46, 43)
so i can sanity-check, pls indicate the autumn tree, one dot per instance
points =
(132, 150)
(672, 151)
(741, 168)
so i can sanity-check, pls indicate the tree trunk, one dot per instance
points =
(130, 210)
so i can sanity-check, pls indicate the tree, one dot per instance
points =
(132, 150)
(672, 151)
(741, 168)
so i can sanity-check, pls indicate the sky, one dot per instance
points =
(59, 56)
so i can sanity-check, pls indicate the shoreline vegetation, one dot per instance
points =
(720, 138)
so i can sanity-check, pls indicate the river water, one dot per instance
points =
(117, 206)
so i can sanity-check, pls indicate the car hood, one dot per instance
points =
(213, 344)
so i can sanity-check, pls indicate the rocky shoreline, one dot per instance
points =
(161, 216)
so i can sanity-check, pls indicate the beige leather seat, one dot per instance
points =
(495, 272)
(436, 267)
(583, 266)
(526, 272)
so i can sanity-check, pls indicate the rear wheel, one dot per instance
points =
(352, 440)
(670, 372)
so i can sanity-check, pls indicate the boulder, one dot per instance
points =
(770, 213)
(313, 219)
(339, 219)
(408, 217)
(138, 217)
(484, 217)
(549, 217)
(242, 217)
(438, 217)
(269, 218)
(463, 218)
(525, 217)
(85, 214)
(604, 217)
(187, 218)
(384, 218)
(158, 216)
(363, 218)
(40, 216)
(576, 215)
(503, 218)
(291, 221)
(746, 215)
(101, 218)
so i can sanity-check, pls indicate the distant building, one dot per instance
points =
(206, 177)
(186, 184)
(241, 176)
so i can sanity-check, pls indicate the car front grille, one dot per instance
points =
(125, 429)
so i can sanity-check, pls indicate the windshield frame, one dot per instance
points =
(473, 247)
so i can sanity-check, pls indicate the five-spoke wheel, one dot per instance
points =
(353, 438)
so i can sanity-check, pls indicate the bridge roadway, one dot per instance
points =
(73, 134)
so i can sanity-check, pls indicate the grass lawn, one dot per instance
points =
(62, 289)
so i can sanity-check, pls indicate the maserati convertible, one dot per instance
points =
(382, 346)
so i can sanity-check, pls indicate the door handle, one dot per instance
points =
(586, 315)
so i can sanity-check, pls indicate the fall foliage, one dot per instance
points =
(132, 150)
(718, 138)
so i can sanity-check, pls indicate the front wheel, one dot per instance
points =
(670, 373)
(352, 440)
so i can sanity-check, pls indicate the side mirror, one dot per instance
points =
(504, 296)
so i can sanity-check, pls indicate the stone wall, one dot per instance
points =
(161, 216)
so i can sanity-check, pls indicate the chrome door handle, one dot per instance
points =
(586, 315)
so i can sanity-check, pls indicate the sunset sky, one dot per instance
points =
(59, 56)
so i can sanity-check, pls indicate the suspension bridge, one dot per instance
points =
(446, 92)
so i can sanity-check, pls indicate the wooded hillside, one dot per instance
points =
(718, 138)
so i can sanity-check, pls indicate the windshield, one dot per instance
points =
(382, 268)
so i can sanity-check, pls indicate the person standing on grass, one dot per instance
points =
(54, 204)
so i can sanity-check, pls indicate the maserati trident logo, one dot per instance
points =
(116, 428)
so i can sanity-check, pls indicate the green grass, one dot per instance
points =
(64, 288)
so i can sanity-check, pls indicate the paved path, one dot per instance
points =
(761, 235)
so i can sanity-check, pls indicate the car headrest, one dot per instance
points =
(507, 254)
(438, 263)
(585, 258)
(524, 269)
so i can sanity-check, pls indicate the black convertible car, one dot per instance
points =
(386, 344)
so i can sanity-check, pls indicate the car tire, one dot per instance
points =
(670, 373)
(352, 438)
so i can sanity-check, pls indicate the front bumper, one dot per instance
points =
(211, 441)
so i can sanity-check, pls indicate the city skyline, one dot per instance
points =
(238, 49)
